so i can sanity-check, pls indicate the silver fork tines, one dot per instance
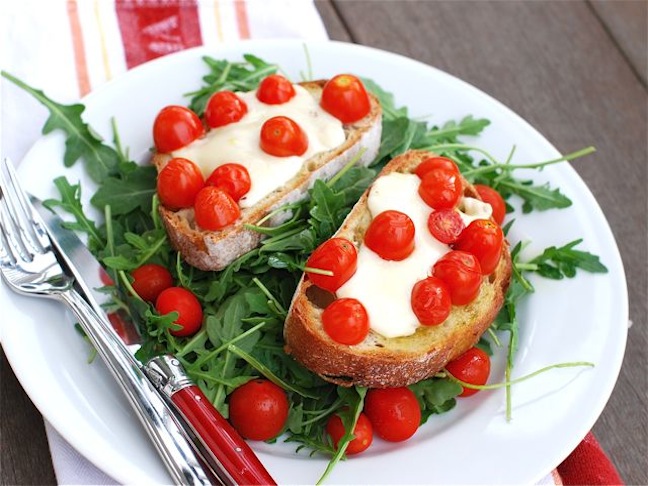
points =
(27, 262)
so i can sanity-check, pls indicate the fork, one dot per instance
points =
(29, 266)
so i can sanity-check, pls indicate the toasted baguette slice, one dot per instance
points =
(380, 362)
(214, 250)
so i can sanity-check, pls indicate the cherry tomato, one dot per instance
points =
(461, 272)
(283, 137)
(178, 183)
(436, 163)
(215, 209)
(176, 127)
(337, 255)
(394, 413)
(150, 279)
(484, 239)
(258, 410)
(105, 277)
(232, 178)
(275, 90)
(391, 235)
(363, 432)
(495, 199)
(346, 321)
(223, 108)
(445, 225)
(472, 367)
(431, 301)
(186, 304)
(345, 97)
(441, 189)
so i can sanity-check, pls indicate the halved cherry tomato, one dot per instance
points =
(223, 108)
(436, 163)
(178, 183)
(472, 367)
(394, 413)
(258, 410)
(186, 304)
(176, 127)
(150, 279)
(345, 97)
(391, 235)
(461, 272)
(282, 137)
(337, 255)
(346, 321)
(363, 433)
(445, 225)
(275, 90)
(215, 209)
(484, 239)
(431, 301)
(232, 178)
(495, 199)
(441, 189)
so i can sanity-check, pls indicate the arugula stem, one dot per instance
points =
(212, 354)
(346, 168)
(269, 295)
(265, 371)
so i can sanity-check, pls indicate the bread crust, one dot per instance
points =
(380, 362)
(214, 250)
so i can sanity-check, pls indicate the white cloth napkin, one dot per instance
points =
(70, 47)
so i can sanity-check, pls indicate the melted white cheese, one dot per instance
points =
(239, 142)
(384, 287)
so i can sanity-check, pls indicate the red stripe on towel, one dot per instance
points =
(83, 79)
(154, 28)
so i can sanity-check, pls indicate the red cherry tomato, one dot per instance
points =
(431, 301)
(176, 127)
(345, 97)
(178, 183)
(391, 235)
(337, 255)
(275, 90)
(394, 413)
(258, 410)
(461, 272)
(223, 108)
(445, 225)
(150, 280)
(283, 137)
(441, 189)
(105, 277)
(436, 163)
(472, 367)
(346, 321)
(363, 432)
(232, 178)
(484, 239)
(215, 209)
(495, 199)
(186, 304)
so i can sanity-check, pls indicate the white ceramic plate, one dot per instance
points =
(572, 320)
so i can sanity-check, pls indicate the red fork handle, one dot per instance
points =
(223, 441)
(223, 449)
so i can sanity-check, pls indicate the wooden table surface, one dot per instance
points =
(577, 71)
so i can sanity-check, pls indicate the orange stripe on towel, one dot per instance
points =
(242, 19)
(83, 80)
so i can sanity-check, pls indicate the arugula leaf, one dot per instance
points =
(227, 75)
(133, 188)
(81, 142)
(557, 263)
(435, 395)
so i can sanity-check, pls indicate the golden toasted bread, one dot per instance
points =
(389, 362)
(214, 250)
